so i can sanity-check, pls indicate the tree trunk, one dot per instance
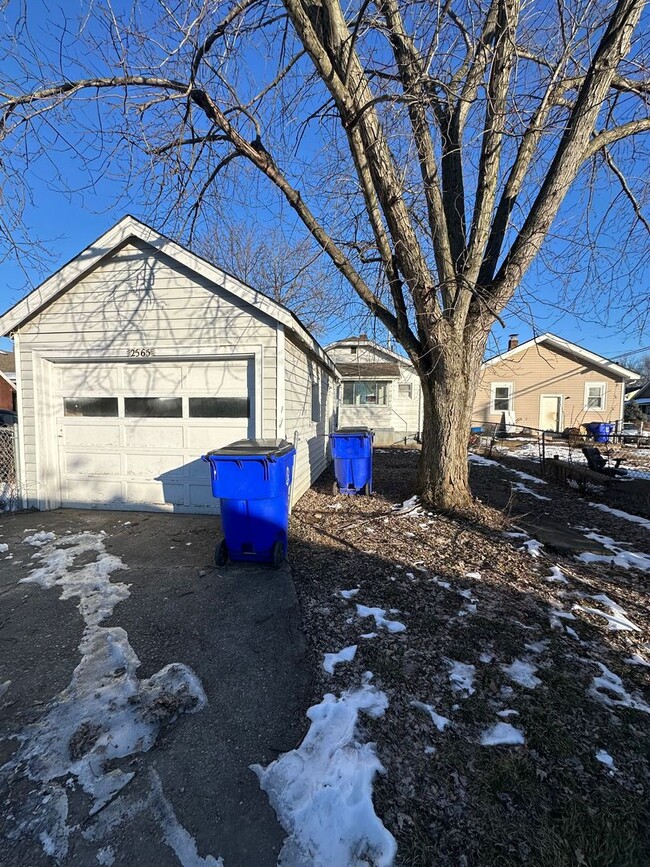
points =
(448, 400)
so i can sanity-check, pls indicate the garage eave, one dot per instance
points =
(127, 228)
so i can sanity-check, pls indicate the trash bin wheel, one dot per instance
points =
(366, 489)
(277, 555)
(221, 554)
(335, 488)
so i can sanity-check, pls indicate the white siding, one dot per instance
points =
(136, 298)
(312, 453)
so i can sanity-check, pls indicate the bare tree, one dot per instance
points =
(291, 272)
(427, 148)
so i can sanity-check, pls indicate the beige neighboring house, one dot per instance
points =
(379, 389)
(550, 384)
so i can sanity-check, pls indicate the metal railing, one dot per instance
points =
(9, 488)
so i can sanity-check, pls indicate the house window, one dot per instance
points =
(502, 397)
(364, 393)
(353, 350)
(315, 402)
(405, 389)
(219, 407)
(594, 395)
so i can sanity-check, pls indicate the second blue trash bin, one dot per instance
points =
(252, 478)
(600, 431)
(352, 454)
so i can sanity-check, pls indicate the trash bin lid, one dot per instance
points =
(350, 431)
(254, 449)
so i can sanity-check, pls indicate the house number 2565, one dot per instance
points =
(139, 353)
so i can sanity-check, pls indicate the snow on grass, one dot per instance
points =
(39, 539)
(617, 621)
(607, 684)
(106, 856)
(379, 615)
(635, 519)
(486, 658)
(619, 557)
(481, 461)
(475, 575)
(440, 722)
(526, 476)
(3, 548)
(325, 786)
(637, 659)
(348, 594)
(557, 616)
(369, 635)
(502, 734)
(606, 759)
(532, 547)
(538, 646)
(507, 712)
(106, 712)
(522, 672)
(409, 507)
(557, 576)
(524, 489)
(331, 660)
(461, 677)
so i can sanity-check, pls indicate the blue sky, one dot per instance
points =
(69, 222)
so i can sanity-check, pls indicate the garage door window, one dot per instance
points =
(219, 407)
(153, 407)
(98, 407)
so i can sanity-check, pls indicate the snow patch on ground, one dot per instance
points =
(522, 672)
(608, 684)
(39, 539)
(3, 548)
(635, 659)
(440, 722)
(557, 576)
(524, 489)
(106, 856)
(326, 784)
(507, 712)
(532, 547)
(461, 677)
(635, 519)
(481, 461)
(619, 557)
(606, 759)
(379, 615)
(348, 594)
(105, 713)
(617, 621)
(502, 733)
(409, 507)
(331, 660)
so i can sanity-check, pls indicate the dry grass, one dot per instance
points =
(549, 802)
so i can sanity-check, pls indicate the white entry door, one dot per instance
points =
(131, 435)
(550, 412)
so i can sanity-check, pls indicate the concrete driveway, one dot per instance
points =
(108, 761)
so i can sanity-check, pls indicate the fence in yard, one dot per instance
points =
(9, 492)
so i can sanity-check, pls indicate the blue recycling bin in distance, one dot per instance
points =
(252, 478)
(600, 431)
(352, 454)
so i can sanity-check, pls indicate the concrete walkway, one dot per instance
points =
(237, 629)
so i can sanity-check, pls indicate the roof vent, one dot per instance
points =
(513, 341)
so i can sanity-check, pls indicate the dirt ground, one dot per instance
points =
(467, 594)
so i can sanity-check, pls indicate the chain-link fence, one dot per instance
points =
(8, 470)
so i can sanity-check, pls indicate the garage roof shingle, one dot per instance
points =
(369, 370)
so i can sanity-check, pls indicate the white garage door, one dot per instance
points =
(131, 435)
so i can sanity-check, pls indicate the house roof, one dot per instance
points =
(371, 370)
(7, 362)
(643, 393)
(358, 341)
(569, 348)
(6, 378)
(121, 233)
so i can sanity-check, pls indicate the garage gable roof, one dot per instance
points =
(569, 348)
(128, 227)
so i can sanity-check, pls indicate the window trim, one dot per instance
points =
(511, 397)
(401, 385)
(602, 384)
(376, 382)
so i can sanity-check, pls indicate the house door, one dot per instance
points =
(550, 412)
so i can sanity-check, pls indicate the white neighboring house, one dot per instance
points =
(137, 357)
(379, 389)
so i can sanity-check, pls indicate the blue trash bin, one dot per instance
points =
(600, 431)
(352, 454)
(252, 478)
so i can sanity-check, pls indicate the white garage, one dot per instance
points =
(137, 357)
